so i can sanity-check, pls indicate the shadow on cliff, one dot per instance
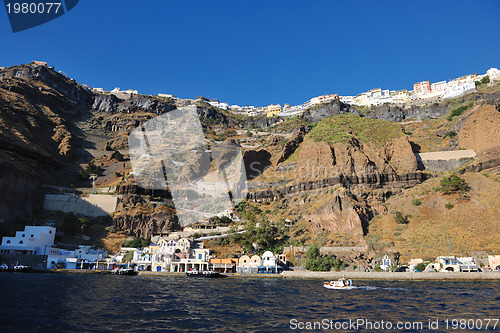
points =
(256, 162)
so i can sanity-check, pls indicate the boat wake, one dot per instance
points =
(379, 288)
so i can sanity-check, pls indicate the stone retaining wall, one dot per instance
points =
(444, 160)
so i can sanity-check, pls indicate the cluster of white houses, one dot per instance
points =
(163, 254)
(447, 264)
(422, 91)
(166, 254)
(39, 240)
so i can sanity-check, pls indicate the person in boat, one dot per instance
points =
(344, 281)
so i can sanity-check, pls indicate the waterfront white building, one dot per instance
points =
(248, 264)
(386, 263)
(32, 240)
(452, 264)
(83, 257)
(494, 262)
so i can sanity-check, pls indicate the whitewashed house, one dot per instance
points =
(36, 240)
(83, 257)
(493, 73)
(386, 263)
(269, 264)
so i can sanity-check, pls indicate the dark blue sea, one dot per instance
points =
(32, 302)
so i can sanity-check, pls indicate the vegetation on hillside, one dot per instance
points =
(293, 123)
(138, 243)
(315, 262)
(453, 184)
(90, 169)
(458, 111)
(342, 128)
(73, 224)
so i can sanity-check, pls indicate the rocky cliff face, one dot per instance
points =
(398, 114)
(69, 88)
(143, 219)
(340, 213)
(36, 139)
(325, 110)
(481, 131)
(385, 112)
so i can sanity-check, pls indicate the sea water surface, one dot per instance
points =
(102, 303)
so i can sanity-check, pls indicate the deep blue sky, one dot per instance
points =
(262, 52)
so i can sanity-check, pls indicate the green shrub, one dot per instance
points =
(137, 243)
(128, 257)
(450, 135)
(421, 267)
(453, 184)
(416, 202)
(485, 80)
(449, 205)
(117, 156)
(400, 218)
(314, 262)
(73, 224)
(458, 111)
(89, 170)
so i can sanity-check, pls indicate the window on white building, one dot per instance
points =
(8, 242)
(20, 242)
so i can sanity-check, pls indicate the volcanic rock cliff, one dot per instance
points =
(36, 139)
(142, 219)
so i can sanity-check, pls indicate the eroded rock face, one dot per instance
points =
(326, 110)
(349, 175)
(318, 160)
(140, 103)
(68, 87)
(481, 131)
(260, 122)
(291, 145)
(105, 103)
(342, 214)
(35, 140)
(398, 114)
(143, 219)
(18, 195)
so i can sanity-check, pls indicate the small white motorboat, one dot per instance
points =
(343, 284)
